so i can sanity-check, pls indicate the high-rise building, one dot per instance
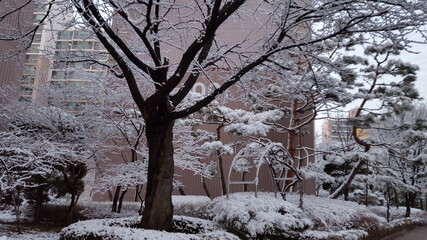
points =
(48, 58)
(12, 33)
(340, 130)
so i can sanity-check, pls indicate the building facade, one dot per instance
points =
(340, 130)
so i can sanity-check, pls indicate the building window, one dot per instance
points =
(34, 48)
(75, 106)
(82, 45)
(80, 84)
(38, 17)
(30, 69)
(59, 75)
(62, 45)
(26, 90)
(81, 35)
(59, 64)
(28, 79)
(25, 99)
(40, 8)
(32, 59)
(98, 46)
(64, 35)
(37, 38)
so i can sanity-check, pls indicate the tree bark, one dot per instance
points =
(410, 197)
(388, 201)
(119, 207)
(205, 187)
(116, 199)
(158, 211)
(181, 191)
(17, 203)
(220, 161)
(38, 204)
(222, 177)
(343, 188)
(73, 203)
(245, 186)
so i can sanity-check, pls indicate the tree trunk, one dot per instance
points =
(220, 161)
(137, 192)
(158, 209)
(116, 199)
(410, 197)
(17, 203)
(73, 203)
(343, 188)
(119, 208)
(222, 177)
(181, 191)
(413, 197)
(388, 199)
(205, 187)
(245, 186)
(38, 205)
(301, 194)
(408, 206)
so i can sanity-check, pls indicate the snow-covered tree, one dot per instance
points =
(171, 44)
(386, 82)
(404, 152)
(43, 143)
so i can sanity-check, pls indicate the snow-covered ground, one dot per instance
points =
(7, 230)
(255, 217)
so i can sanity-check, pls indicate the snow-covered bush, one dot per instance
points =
(260, 216)
(192, 206)
(395, 213)
(353, 234)
(125, 229)
(337, 215)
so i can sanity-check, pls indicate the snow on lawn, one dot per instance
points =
(7, 217)
(30, 235)
(395, 213)
(255, 217)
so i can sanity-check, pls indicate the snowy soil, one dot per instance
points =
(8, 230)
(254, 217)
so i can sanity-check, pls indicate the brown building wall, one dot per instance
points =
(11, 54)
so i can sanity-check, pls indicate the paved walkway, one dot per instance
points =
(419, 233)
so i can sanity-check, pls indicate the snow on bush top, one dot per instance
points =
(125, 229)
(337, 215)
(260, 216)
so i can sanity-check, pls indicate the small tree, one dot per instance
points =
(403, 136)
(50, 143)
